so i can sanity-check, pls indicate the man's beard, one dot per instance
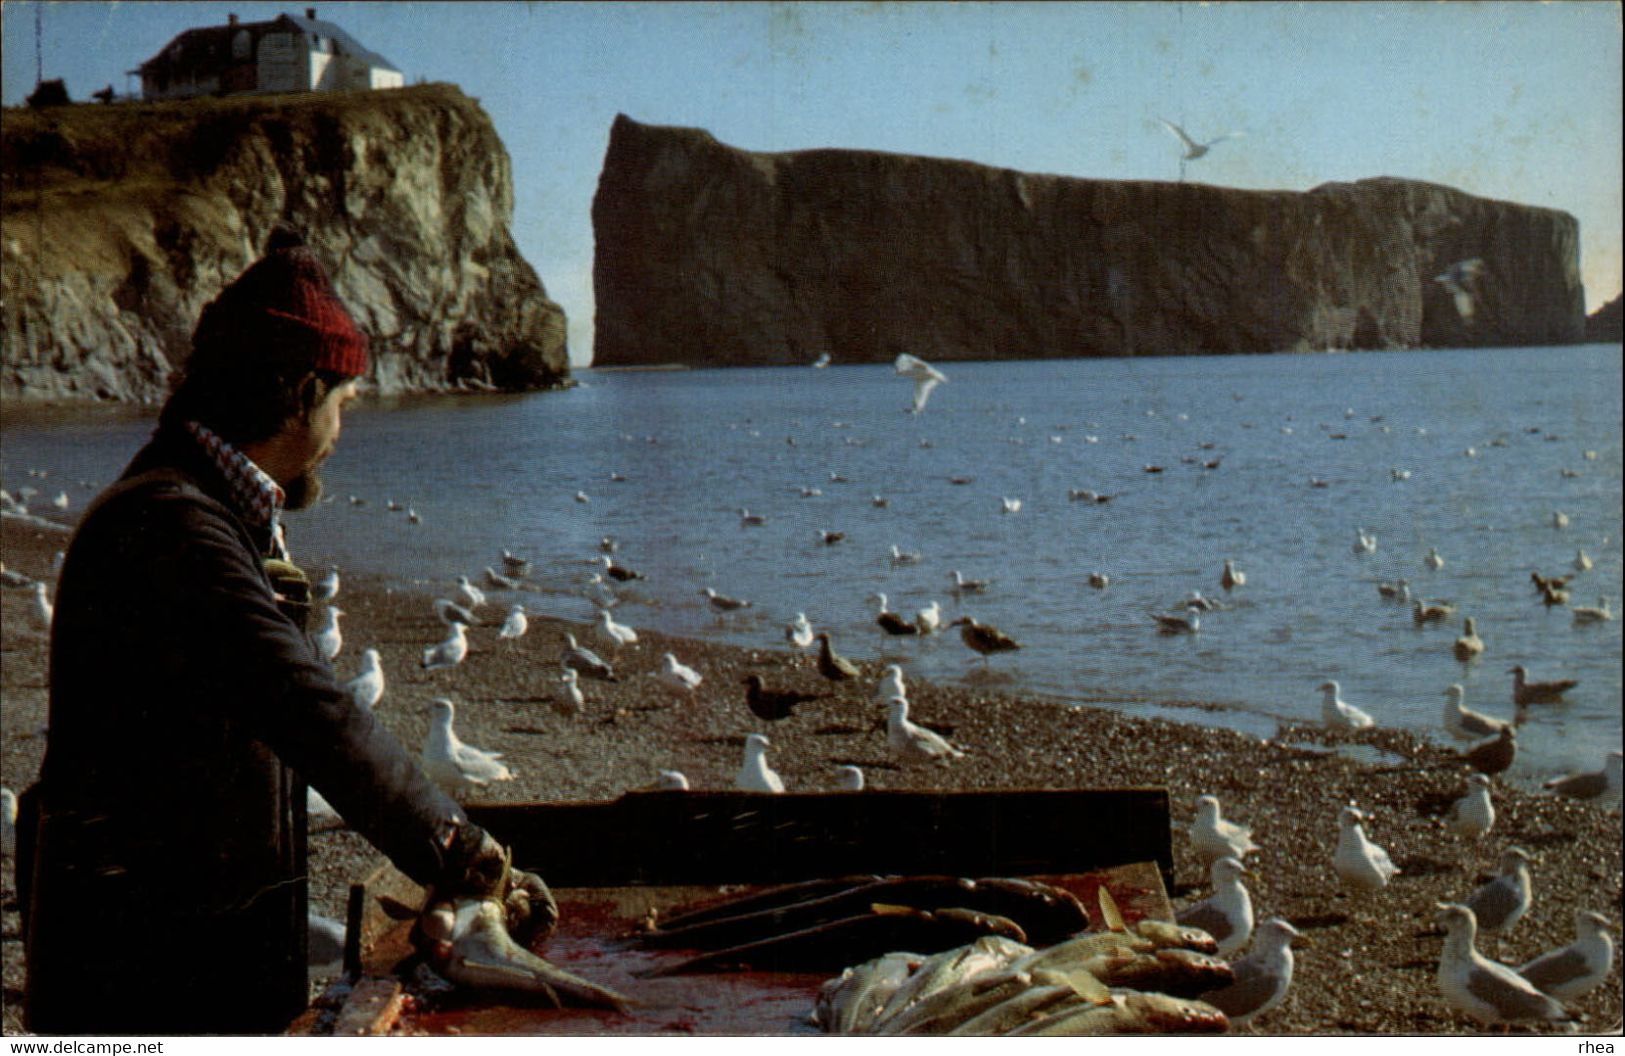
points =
(303, 491)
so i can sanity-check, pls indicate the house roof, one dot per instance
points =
(209, 44)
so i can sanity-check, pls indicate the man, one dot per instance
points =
(188, 708)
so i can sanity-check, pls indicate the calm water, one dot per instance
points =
(695, 446)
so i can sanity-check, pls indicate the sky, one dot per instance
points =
(1518, 100)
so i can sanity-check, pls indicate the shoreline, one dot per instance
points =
(1369, 965)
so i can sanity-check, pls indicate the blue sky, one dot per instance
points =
(1515, 100)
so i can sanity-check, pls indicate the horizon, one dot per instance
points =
(1484, 98)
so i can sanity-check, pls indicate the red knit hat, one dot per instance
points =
(285, 302)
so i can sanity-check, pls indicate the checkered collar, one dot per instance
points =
(259, 498)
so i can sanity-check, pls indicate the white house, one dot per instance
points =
(287, 54)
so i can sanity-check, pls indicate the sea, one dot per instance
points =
(1272, 461)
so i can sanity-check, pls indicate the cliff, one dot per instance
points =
(121, 222)
(706, 254)
(1604, 323)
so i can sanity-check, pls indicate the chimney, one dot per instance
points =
(231, 20)
(310, 13)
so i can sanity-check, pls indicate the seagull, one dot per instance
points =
(1099, 580)
(1432, 559)
(1360, 864)
(1399, 590)
(929, 619)
(1472, 815)
(1469, 646)
(450, 763)
(515, 565)
(1399, 474)
(516, 624)
(1230, 578)
(608, 544)
(772, 705)
(496, 579)
(1462, 722)
(754, 773)
(600, 593)
(1560, 519)
(677, 675)
(1261, 978)
(582, 497)
(1596, 784)
(471, 595)
(1190, 623)
(585, 660)
(61, 500)
(412, 516)
(911, 742)
(799, 632)
(1195, 601)
(1009, 505)
(924, 375)
(1458, 279)
(329, 640)
(889, 621)
(43, 610)
(722, 602)
(1526, 692)
(822, 361)
(1491, 993)
(967, 586)
(891, 684)
(1363, 543)
(1549, 584)
(831, 664)
(367, 688)
(1214, 837)
(1430, 612)
(327, 587)
(1582, 561)
(750, 520)
(614, 634)
(984, 638)
(448, 653)
(1502, 902)
(1193, 149)
(851, 779)
(570, 701)
(1578, 968)
(619, 573)
(1601, 613)
(671, 781)
(904, 557)
(1338, 714)
(829, 537)
(450, 612)
(1227, 914)
(1493, 755)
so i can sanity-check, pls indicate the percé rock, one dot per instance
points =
(121, 222)
(1604, 323)
(710, 255)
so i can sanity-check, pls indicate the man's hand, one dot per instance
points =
(488, 872)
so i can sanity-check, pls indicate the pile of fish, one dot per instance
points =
(1142, 980)
(824, 925)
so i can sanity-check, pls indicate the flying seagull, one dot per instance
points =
(1193, 149)
(924, 375)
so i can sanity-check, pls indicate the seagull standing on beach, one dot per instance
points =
(1261, 979)
(328, 639)
(833, 665)
(43, 610)
(851, 779)
(912, 742)
(1491, 993)
(891, 684)
(448, 653)
(984, 638)
(516, 624)
(471, 595)
(678, 676)
(1214, 837)
(614, 634)
(1578, 968)
(585, 661)
(1338, 714)
(1493, 755)
(450, 612)
(327, 587)
(924, 375)
(1601, 784)
(929, 619)
(570, 701)
(754, 773)
(798, 632)
(1502, 902)
(367, 688)
(1472, 816)
(1359, 863)
(450, 763)
(671, 781)
(1227, 914)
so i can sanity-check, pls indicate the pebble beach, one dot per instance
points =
(1366, 966)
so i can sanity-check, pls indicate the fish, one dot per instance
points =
(468, 943)
(1123, 961)
(782, 895)
(945, 1008)
(1050, 992)
(1129, 1012)
(825, 947)
(948, 970)
(850, 1002)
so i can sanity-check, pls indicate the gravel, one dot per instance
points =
(1367, 966)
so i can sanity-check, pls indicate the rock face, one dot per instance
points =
(1604, 323)
(121, 222)
(710, 255)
